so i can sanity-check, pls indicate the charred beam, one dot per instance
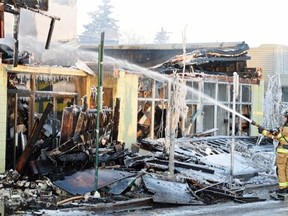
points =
(52, 23)
(76, 157)
(182, 165)
(115, 130)
(8, 9)
(2, 33)
(25, 156)
(15, 36)
(129, 205)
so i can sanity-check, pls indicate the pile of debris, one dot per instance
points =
(138, 177)
(56, 167)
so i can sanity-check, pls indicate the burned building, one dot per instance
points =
(30, 91)
(138, 99)
(41, 85)
(207, 68)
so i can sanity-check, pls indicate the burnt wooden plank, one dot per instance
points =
(69, 122)
(183, 165)
(120, 206)
(65, 127)
(115, 129)
(80, 123)
(30, 148)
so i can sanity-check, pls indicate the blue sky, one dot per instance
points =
(256, 22)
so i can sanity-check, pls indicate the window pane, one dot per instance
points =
(208, 120)
(246, 93)
(222, 92)
(285, 94)
(209, 89)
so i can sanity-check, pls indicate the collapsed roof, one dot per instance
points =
(205, 58)
(212, 60)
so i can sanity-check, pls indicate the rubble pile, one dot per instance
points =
(24, 193)
(137, 176)
(54, 167)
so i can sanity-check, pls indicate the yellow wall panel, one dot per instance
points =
(127, 91)
(3, 106)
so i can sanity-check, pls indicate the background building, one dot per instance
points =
(273, 60)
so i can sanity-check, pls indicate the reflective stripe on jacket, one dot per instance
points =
(283, 184)
(281, 136)
(280, 149)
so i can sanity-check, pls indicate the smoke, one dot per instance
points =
(27, 23)
(60, 54)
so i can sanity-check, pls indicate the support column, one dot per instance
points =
(3, 117)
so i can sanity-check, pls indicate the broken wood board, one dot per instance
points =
(179, 165)
(119, 206)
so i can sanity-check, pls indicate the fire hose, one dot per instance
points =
(260, 128)
(256, 124)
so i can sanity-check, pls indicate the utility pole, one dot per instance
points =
(235, 95)
(99, 105)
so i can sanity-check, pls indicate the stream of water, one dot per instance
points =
(164, 78)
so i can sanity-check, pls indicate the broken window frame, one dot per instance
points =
(195, 104)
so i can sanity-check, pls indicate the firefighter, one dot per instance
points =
(281, 152)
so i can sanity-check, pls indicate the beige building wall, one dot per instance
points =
(271, 58)
(127, 92)
(3, 110)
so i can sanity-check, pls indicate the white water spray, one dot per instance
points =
(272, 103)
(164, 78)
(61, 54)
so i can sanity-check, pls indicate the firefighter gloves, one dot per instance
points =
(260, 130)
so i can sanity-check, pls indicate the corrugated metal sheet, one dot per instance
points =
(84, 181)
